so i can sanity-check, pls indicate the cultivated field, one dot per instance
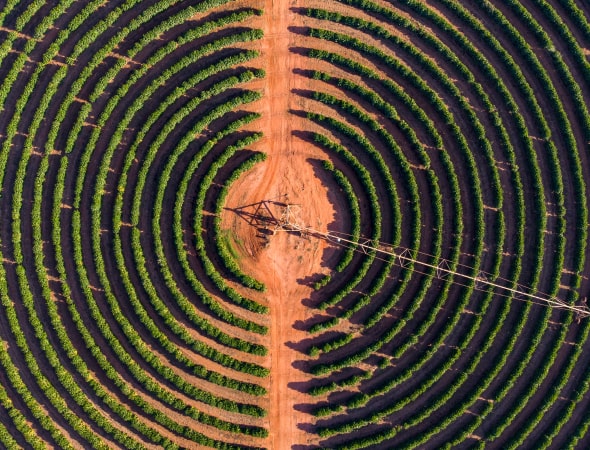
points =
(149, 297)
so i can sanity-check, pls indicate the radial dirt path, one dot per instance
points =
(291, 174)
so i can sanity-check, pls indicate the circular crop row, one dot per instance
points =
(458, 135)
(120, 123)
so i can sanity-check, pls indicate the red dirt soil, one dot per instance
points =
(286, 176)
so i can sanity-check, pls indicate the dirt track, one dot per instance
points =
(290, 174)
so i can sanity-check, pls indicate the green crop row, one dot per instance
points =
(187, 307)
(333, 385)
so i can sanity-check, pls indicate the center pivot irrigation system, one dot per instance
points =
(272, 216)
